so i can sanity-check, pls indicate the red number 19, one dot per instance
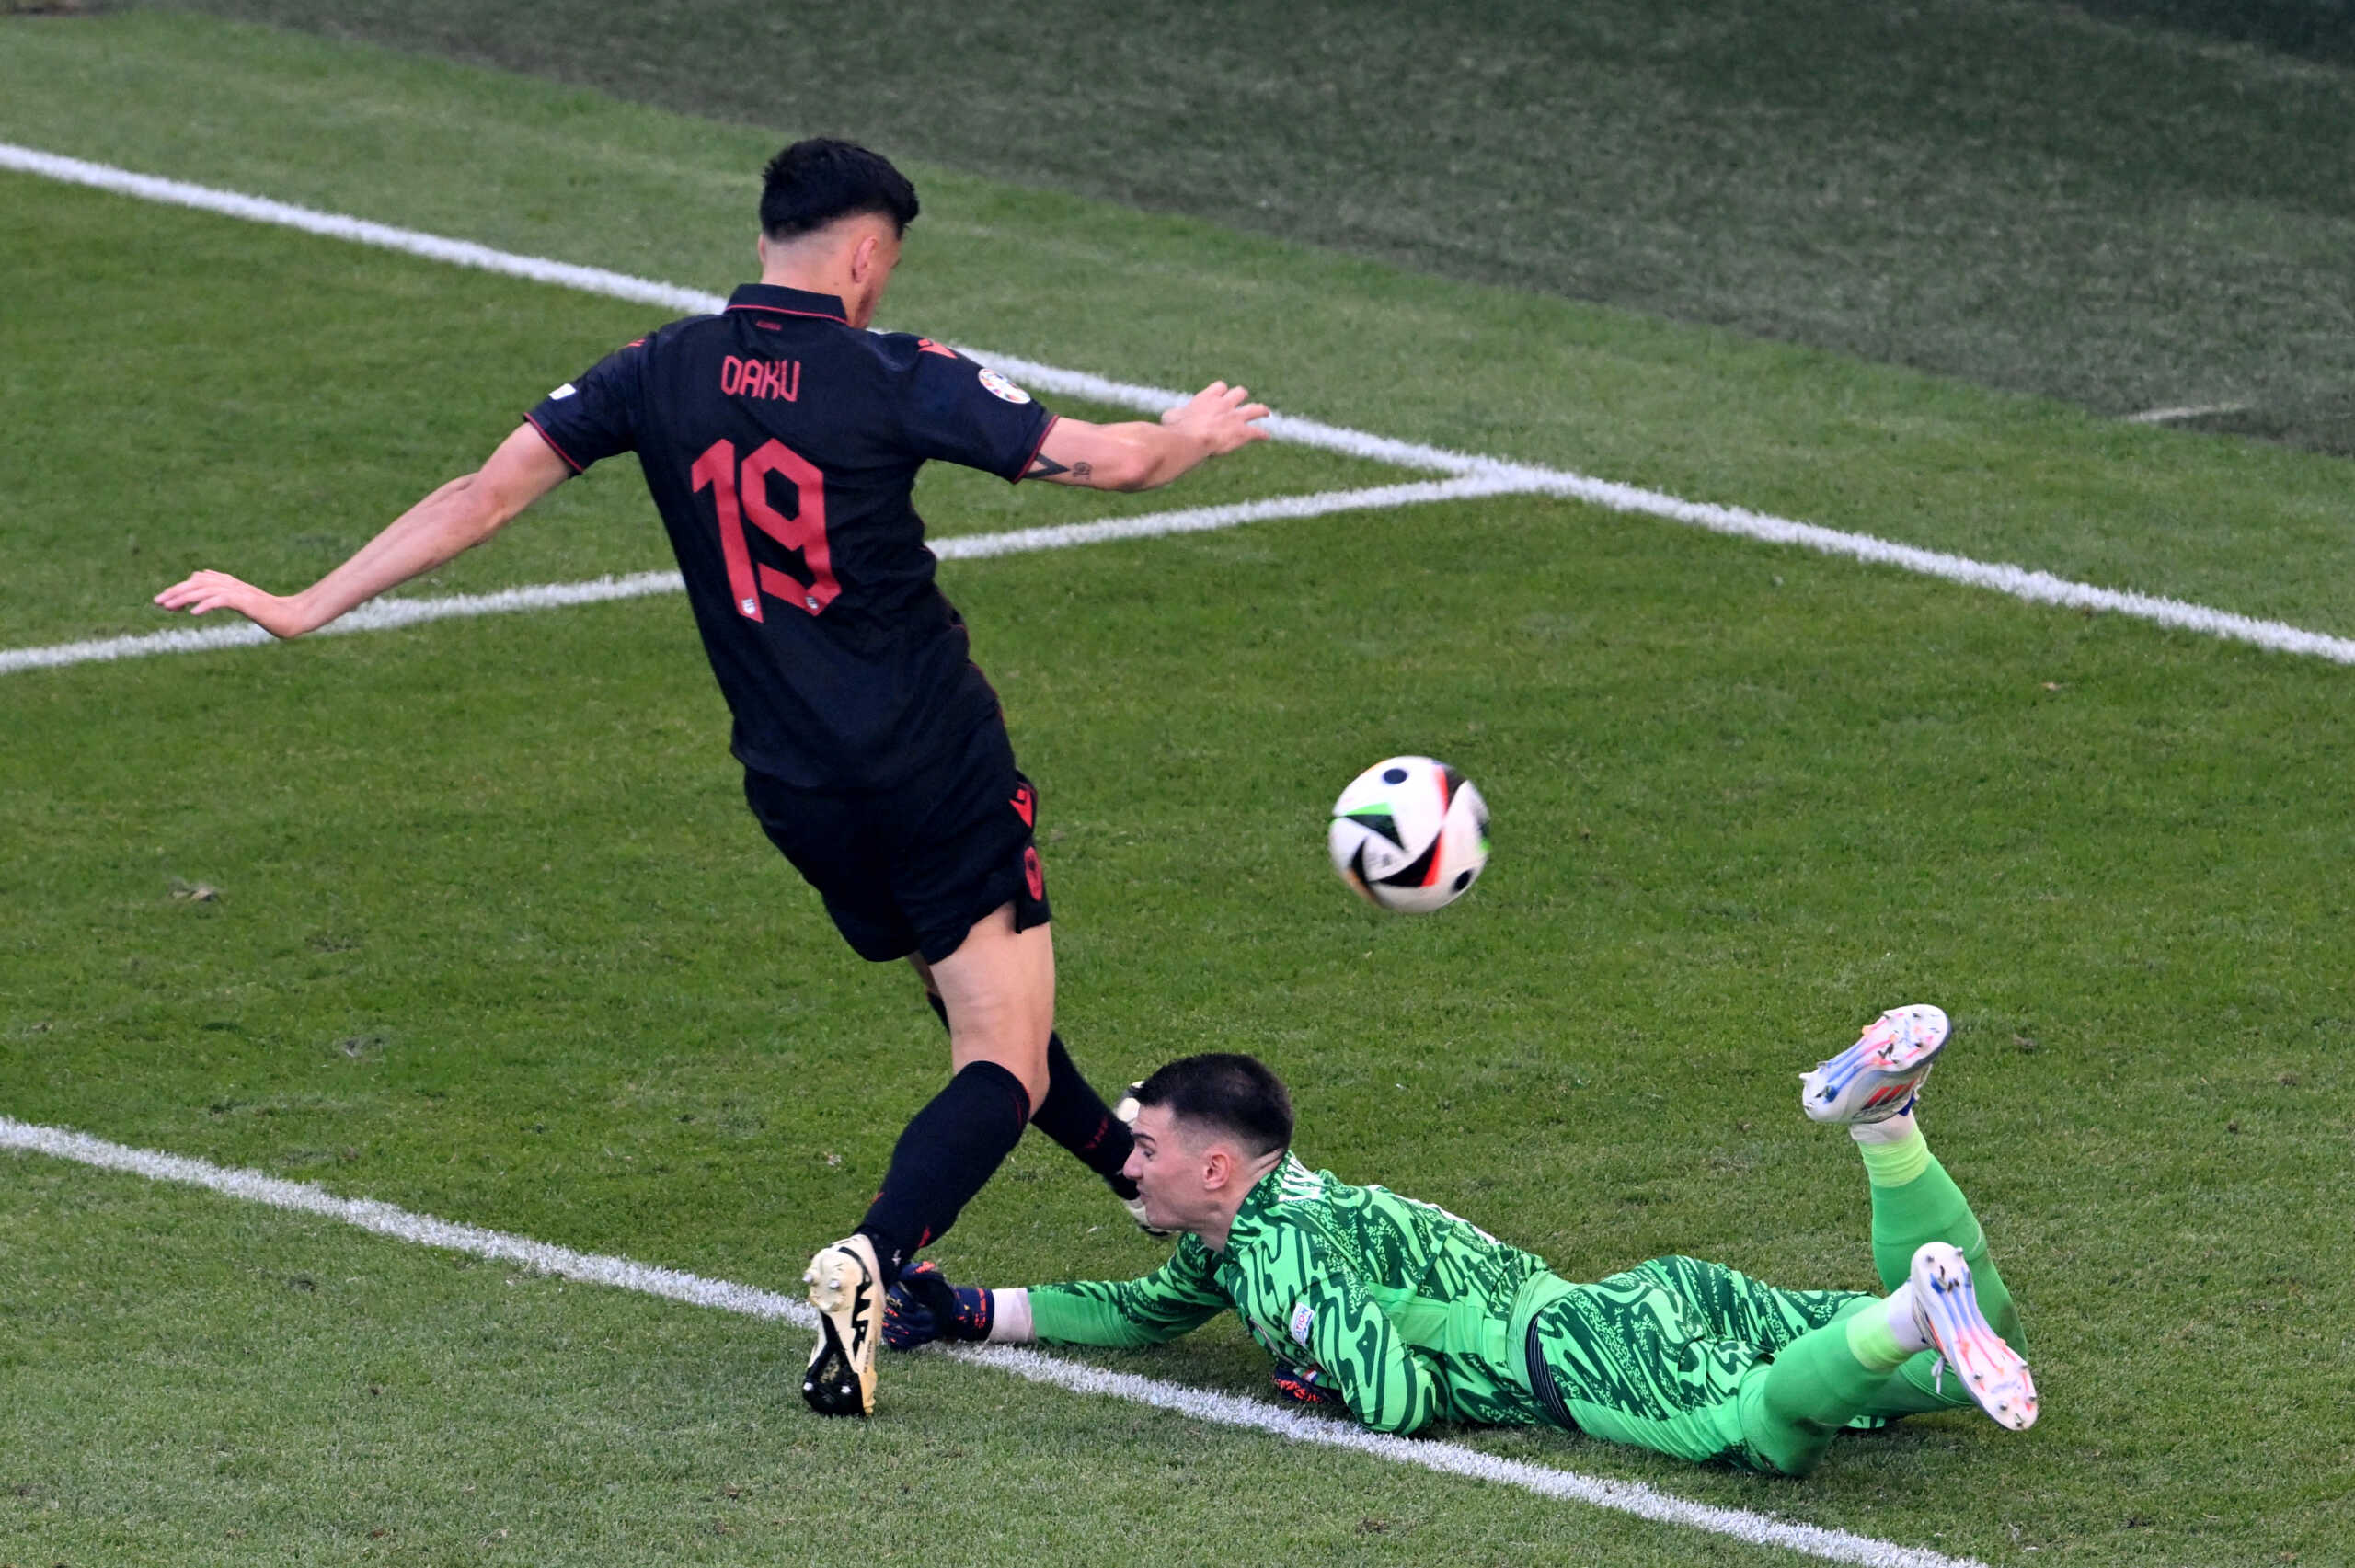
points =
(745, 493)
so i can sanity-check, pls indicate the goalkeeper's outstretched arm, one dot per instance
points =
(1357, 1356)
(1174, 1299)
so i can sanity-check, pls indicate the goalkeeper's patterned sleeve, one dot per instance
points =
(1177, 1297)
(1403, 1310)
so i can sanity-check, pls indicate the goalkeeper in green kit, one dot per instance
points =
(1407, 1314)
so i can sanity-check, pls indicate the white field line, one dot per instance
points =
(1225, 1410)
(385, 614)
(669, 296)
(378, 615)
(2016, 582)
(2189, 411)
(2019, 582)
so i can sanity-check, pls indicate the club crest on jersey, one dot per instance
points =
(1001, 387)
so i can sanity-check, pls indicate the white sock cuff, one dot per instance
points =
(1903, 1321)
(1893, 1129)
(1010, 1317)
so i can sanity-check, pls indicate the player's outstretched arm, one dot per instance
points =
(452, 519)
(1140, 455)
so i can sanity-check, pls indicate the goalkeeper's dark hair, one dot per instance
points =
(1230, 1094)
(812, 183)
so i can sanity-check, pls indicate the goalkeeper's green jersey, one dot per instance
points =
(1405, 1311)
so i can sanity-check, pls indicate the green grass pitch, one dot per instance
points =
(495, 939)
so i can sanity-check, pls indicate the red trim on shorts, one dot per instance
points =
(575, 467)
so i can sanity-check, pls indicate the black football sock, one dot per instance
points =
(1073, 1114)
(1076, 1116)
(948, 1150)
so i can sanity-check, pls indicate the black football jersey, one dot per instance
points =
(781, 446)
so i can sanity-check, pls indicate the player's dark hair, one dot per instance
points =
(1234, 1094)
(812, 183)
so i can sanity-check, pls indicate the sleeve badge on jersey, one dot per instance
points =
(1304, 1319)
(1001, 387)
(567, 390)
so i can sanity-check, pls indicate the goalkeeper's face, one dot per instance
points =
(1190, 1177)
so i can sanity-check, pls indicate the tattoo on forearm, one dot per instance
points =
(1045, 467)
(1081, 470)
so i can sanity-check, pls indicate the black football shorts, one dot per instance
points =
(910, 868)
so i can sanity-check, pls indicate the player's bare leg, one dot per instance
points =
(1071, 1111)
(999, 991)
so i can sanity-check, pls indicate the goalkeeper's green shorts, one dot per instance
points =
(1664, 1354)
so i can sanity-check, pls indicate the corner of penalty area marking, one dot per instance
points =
(1499, 475)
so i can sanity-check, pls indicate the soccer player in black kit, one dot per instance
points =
(780, 440)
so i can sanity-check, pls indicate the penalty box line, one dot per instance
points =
(1226, 1410)
(2017, 582)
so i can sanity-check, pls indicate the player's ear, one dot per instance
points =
(1218, 1167)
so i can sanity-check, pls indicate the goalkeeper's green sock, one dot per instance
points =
(1823, 1380)
(1915, 1201)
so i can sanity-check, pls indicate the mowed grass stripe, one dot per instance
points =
(495, 937)
(559, 172)
(218, 1385)
(645, 290)
(2037, 587)
(1225, 1410)
(508, 947)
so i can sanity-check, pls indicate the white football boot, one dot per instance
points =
(1876, 1078)
(846, 1286)
(1947, 1310)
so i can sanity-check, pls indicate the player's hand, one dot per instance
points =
(1306, 1386)
(1221, 417)
(206, 592)
(923, 1307)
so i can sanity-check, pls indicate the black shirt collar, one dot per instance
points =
(770, 299)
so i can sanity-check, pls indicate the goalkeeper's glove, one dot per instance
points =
(923, 1307)
(1306, 1385)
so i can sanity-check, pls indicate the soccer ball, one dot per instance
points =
(1410, 833)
